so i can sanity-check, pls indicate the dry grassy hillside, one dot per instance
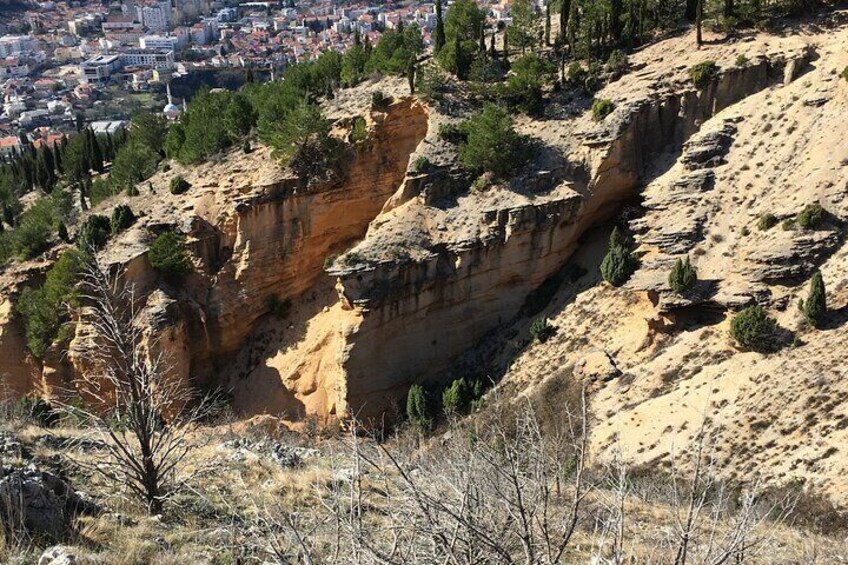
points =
(658, 365)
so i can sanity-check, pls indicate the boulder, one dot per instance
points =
(58, 555)
(596, 366)
(38, 502)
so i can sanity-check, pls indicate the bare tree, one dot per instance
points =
(146, 415)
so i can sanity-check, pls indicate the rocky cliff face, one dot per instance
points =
(259, 241)
(454, 275)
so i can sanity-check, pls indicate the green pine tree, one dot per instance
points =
(417, 409)
(682, 276)
(815, 307)
(439, 40)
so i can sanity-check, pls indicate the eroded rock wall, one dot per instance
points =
(417, 316)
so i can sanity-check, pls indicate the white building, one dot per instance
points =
(98, 69)
(167, 42)
(154, 58)
(11, 45)
(156, 18)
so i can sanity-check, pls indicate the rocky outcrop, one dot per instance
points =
(420, 310)
(33, 501)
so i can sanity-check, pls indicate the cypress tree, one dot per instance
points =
(410, 74)
(815, 306)
(482, 45)
(440, 28)
(682, 276)
(547, 25)
(617, 239)
(417, 409)
(564, 10)
(57, 158)
(63, 232)
(618, 264)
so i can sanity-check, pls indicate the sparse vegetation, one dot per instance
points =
(421, 164)
(178, 185)
(94, 232)
(844, 73)
(617, 63)
(815, 307)
(619, 263)
(741, 60)
(683, 276)
(45, 310)
(122, 218)
(811, 217)
(601, 108)
(704, 73)
(169, 256)
(359, 132)
(457, 397)
(379, 100)
(452, 133)
(766, 221)
(493, 145)
(541, 330)
(419, 408)
(754, 329)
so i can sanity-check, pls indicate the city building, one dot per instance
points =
(156, 58)
(156, 17)
(168, 42)
(99, 69)
(11, 45)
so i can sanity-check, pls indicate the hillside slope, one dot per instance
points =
(657, 364)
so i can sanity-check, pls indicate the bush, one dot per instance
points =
(541, 330)
(815, 307)
(44, 309)
(122, 218)
(704, 73)
(39, 411)
(421, 164)
(456, 398)
(788, 224)
(523, 87)
(418, 408)
(682, 276)
(766, 221)
(618, 264)
(617, 63)
(741, 60)
(168, 255)
(358, 132)
(493, 145)
(34, 230)
(179, 185)
(754, 329)
(380, 100)
(451, 133)
(576, 75)
(430, 83)
(601, 108)
(94, 232)
(844, 73)
(811, 216)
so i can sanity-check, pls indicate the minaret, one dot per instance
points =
(168, 88)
